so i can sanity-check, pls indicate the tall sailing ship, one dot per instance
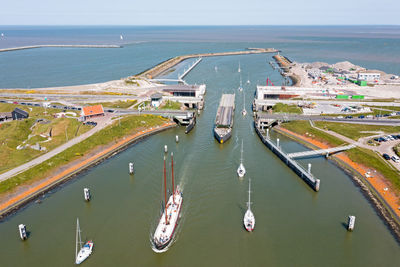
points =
(224, 119)
(169, 219)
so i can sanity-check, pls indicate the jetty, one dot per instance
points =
(163, 66)
(304, 174)
(73, 46)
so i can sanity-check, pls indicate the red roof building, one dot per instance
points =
(92, 111)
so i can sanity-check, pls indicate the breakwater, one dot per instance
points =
(300, 171)
(25, 197)
(284, 64)
(163, 66)
(42, 46)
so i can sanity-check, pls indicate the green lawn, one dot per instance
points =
(171, 105)
(116, 104)
(129, 125)
(354, 131)
(13, 133)
(284, 108)
(303, 127)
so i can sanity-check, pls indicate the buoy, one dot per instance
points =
(177, 138)
(165, 148)
(22, 231)
(351, 222)
(86, 193)
(131, 170)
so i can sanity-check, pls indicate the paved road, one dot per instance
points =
(375, 121)
(348, 103)
(101, 124)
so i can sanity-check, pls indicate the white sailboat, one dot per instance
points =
(239, 70)
(248, 79)
(85, 250)
(244, 112)
(121, 37)
(216, 69)
(249, 220)
(241, 171)
(240, 84)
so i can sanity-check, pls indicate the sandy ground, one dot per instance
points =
(381, 185)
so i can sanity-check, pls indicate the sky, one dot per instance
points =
(199, 12)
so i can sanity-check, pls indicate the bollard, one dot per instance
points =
(165, 148)
(309, 167)
(317, 183)
(277, 142)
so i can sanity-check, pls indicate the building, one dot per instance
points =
(19, 114)
(4, 116)
(366, 76)
(185, 90)
(92, 111)
(156, 100)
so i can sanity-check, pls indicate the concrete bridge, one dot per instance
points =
(320, 151)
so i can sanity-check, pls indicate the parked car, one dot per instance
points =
(340, 117)
(349, 117)
(395, 158)
(386, 115)
(394, 136)
(369, 116)
(386, 156)
(361, 116)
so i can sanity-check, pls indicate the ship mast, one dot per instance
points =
(173, 186)
(241, 153)
(249, 203)
(165, 193)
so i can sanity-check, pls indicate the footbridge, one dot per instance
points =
(320, 152)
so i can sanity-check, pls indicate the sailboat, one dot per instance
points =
(240, 85)
(169, 219)
(248, 79)
(239, 70)
(86, 250)
(121, 37)
(241, 171)
(216, 69)
(244, 112)
(249, 220)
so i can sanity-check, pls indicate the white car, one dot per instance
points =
(395, 158)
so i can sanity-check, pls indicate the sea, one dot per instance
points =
(295, 226)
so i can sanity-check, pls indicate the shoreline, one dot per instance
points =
(387, 212)
(42, 46)
(23, 198)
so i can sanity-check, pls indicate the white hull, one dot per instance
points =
(244, 112)
(84, 253)
(249, 220)
(241, 171)
(165, 231)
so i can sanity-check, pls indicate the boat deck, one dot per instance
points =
(225, 111)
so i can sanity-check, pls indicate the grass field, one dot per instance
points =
(303, 127)
(171, 105)
(355, 131)
(116, 104)
(284, 108)
(14, 133)
(129, 125)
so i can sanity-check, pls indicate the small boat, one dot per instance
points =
(22, 231)
(216, 69)
(86, 193)
(2, 34)
(165, 148)
(121, 37)
(85, 250)
(240, 85)
(249, 220)
(241, 171)
(169, 219)
(131, 168)
(239, 70)
(244, 112)
(176, 138)
(248, 79)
